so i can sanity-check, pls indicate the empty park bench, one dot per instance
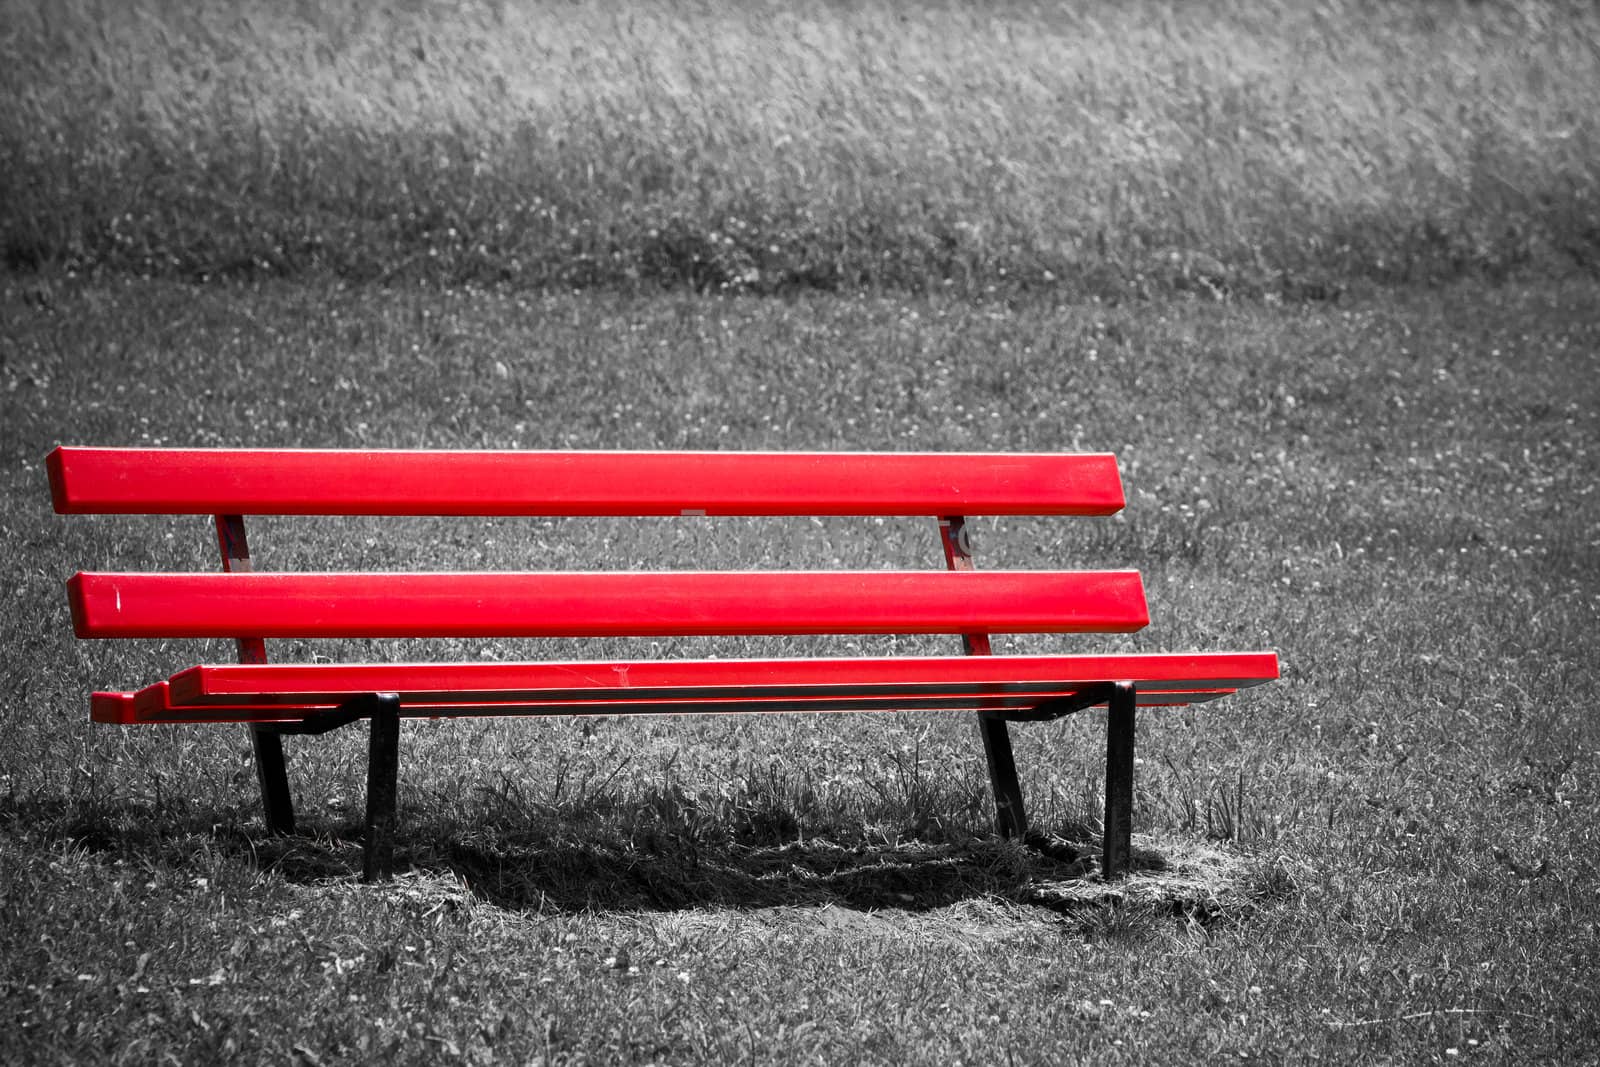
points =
(277, 699)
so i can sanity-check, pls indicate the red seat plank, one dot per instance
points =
(162, 702)
(315, 482)
(158, 709)
(285, 714)
(156, 703)
(330, 683)
(115, 708)
(605, 604)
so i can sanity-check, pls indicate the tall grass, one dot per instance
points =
(1243, 144)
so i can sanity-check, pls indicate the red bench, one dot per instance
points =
(311, 698)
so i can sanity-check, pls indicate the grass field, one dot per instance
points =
(1321, 274)
(1398, 494)
(1250, 146)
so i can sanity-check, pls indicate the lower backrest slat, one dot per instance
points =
(606, 604)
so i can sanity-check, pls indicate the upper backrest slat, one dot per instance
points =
(317, 482)
(607, 604)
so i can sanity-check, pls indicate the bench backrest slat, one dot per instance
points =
(331, 482)
(605, 604)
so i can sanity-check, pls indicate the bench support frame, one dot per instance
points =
(1011, 818)
(383, 775)
(1121, 701)
(277, 805)
(382, 710)
(1116, 839)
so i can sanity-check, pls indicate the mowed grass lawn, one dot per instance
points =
(1395, 491)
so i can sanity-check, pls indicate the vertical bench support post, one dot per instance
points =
(277, 805)
(383, 774)
(1010, 817)
(1117, 840)
(272, 774)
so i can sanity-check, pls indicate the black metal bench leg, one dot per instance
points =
(277, 806)
(1010, 818)
(383, 773)
(1117, 841)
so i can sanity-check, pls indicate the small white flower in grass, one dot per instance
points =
(683, 976)
(1452, 1052)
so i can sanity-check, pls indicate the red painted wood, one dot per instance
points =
(330, 683)
(308, 482)
(114, 708)
(605, 604)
